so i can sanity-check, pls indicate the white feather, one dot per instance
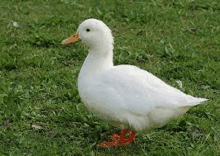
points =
(125, 93)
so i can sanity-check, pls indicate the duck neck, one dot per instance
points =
(99, 59)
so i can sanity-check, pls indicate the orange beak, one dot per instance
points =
(72, 39)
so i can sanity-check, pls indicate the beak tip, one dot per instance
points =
(63, 42)
(71, 39)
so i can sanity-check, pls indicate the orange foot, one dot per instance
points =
(119, 139)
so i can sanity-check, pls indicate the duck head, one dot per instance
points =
(93, 33)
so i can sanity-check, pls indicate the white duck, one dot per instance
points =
(125, 95)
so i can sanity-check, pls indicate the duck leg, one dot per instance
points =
(119, 139)
(130, 138)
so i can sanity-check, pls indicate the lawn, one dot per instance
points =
(40, 110)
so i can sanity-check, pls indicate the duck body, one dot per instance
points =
(130, 95)
(124, 94)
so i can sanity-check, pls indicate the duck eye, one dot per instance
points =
(88, 30)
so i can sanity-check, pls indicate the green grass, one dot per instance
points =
(38, 75)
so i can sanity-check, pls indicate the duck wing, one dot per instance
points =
(130, 89)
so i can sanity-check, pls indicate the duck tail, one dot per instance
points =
(196, 101)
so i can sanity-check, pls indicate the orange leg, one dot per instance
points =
(119, 139)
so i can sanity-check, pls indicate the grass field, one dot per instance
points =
(40, 109)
